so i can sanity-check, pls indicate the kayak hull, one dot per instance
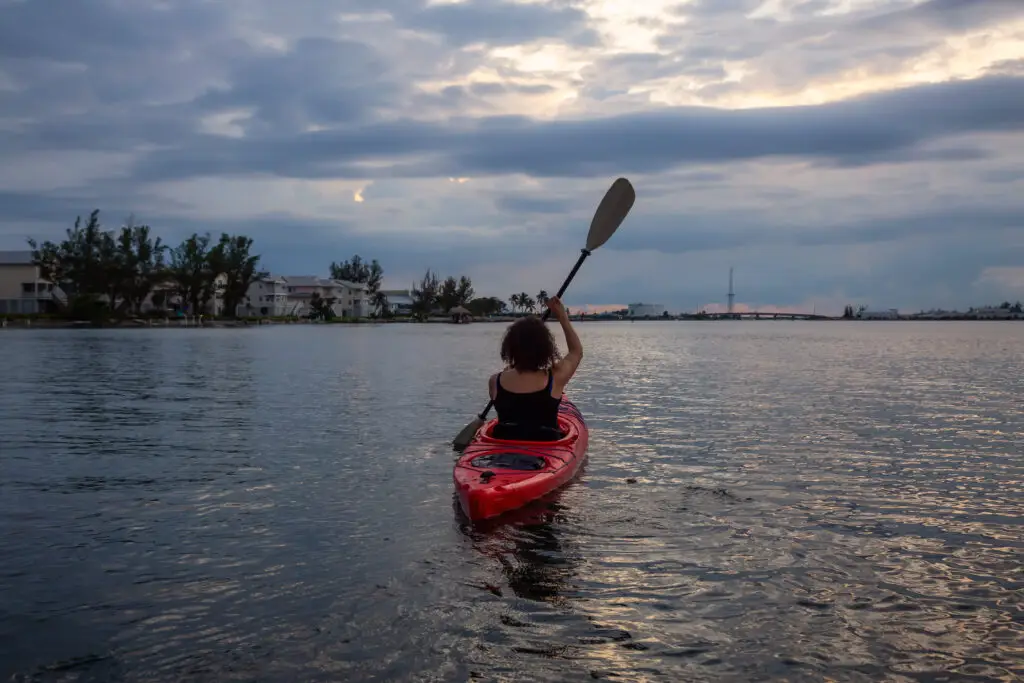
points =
(494, 476)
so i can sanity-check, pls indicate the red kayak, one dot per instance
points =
(493, 476)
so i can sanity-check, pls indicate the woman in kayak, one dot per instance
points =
(528, 391)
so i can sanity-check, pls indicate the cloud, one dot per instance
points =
(883, 127)
(831, 150)
(501, 23)
(527, 204)
(824, 39)
(316, 81)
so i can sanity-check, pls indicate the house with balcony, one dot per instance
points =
(22, 288)
(266, 296)
(351, 299)
(299, 291)
(170, 300)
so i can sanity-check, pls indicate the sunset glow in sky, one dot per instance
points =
(832, 151)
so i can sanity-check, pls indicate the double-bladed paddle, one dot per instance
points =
(612, 210)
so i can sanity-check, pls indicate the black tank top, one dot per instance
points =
(528, 411)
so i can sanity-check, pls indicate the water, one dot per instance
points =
(763, 501)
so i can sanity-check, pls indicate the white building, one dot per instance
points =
(993, 313)
(266, 296)
(645, 310)
(351, 299)
(300, 290)
(22, 289)
(399, 301)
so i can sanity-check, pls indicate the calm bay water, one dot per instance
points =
(763, 501)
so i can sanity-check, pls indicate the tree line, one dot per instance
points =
(115, 272)
(525, 303)
(106, 272)
(433, 294)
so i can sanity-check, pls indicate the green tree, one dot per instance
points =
(464, 292)
(379, 301)
(101, 269)
(141, 262)
(425, 296)
(74, 263)
(193, 273)
(356, 270)
(353, 270)
(91, 263)
(114, 266)
(375, 278)
(485, 306)
(448, 295)
(232, 259)
(321, 308)
(542, 298)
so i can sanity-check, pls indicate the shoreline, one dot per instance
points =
(31, 322)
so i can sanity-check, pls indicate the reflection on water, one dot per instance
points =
(536, 562)
(762, 501)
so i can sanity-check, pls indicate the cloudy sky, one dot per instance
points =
(832, 151)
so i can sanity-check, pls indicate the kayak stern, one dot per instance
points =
(494, 476)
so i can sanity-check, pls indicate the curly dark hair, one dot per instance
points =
(528, 345)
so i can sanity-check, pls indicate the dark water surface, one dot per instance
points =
(812, 501)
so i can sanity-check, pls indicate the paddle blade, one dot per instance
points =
(466, 435)
(612, 210)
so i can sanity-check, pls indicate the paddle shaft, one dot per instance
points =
(584, 253)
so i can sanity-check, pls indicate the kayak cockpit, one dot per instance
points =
(509, 460)
(494, 432)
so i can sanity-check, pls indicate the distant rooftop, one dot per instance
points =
(316, 281)
(352, 285)
(15, 258)
(306, 280)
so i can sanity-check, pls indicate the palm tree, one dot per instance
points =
(380, 303)
(527, 302)
(542, 298)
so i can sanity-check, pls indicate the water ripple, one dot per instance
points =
(763, 501)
